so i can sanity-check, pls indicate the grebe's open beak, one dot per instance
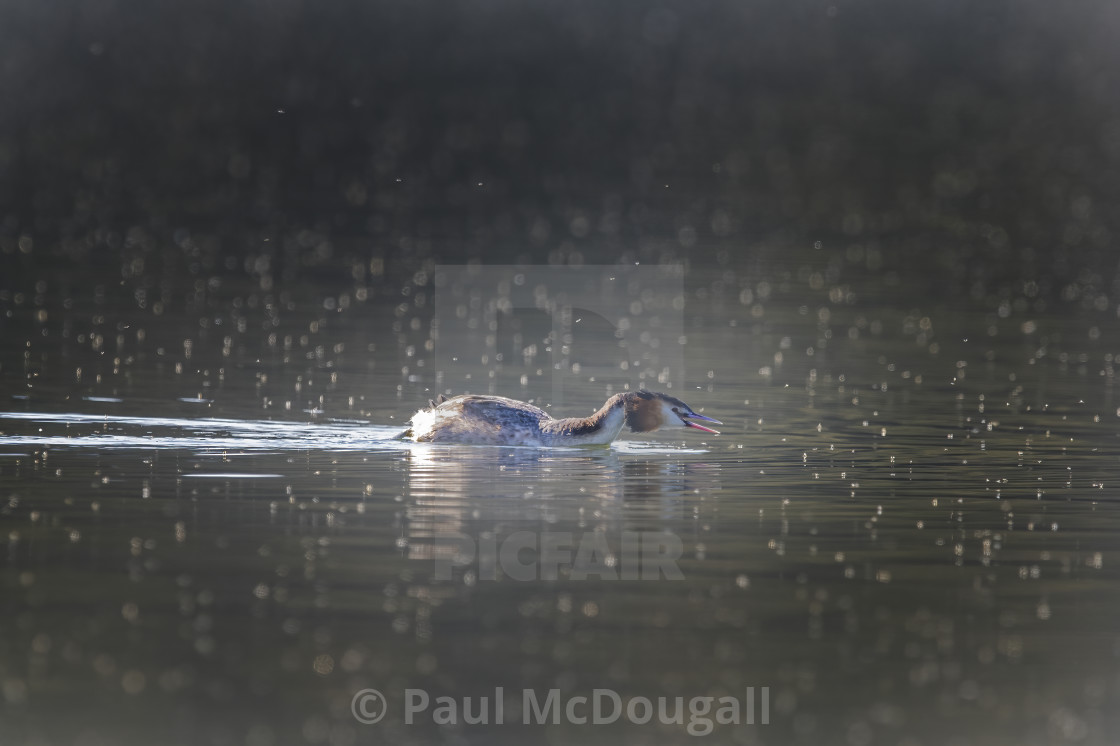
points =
(694, 416)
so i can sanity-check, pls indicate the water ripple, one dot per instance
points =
(206, 434)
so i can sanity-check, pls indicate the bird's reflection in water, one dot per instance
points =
(658, 489)
(488, 493)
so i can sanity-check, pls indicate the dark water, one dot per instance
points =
(906, 532)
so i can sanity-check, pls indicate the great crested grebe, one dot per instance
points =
(495, 420)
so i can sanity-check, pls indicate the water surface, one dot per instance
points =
(907, 531)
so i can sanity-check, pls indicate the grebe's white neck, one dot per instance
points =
(599, 429)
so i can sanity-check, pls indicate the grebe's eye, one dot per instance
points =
(676, 411)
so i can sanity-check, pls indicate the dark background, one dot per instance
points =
(964, 150)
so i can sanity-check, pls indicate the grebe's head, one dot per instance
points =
(647, 411)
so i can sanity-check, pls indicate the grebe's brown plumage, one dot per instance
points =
(496, 420)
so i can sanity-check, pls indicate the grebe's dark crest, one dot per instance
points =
(495, 420)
